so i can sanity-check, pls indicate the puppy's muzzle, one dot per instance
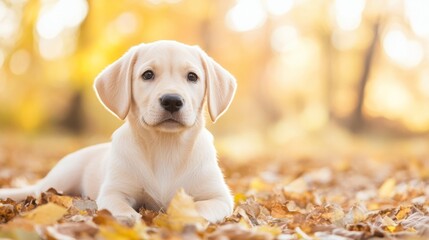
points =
(171, 102)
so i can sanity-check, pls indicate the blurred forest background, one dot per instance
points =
(311, 74)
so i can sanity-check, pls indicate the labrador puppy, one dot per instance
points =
(160, 89)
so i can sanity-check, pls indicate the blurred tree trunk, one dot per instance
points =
(358, 120)
(73, 120)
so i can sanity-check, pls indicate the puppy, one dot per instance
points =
(160, 89)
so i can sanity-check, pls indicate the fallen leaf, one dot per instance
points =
(85, 205)
(387, 188)
(73, 230)
(46, 214)
(278, 210)
(64, 201)
(237, 231)
(322, 176)
(403, 213)
(239, 197)
(258, 185)
(334, 214)
(273, 231)
(148, 215)
(298, 185)
(357, 213)
(111, 229)
(292, 207)
(180, 213)
(302, 234)
(19, 234)
(7, 212)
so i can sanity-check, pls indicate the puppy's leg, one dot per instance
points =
(213, 198)
(215, 210)
(18, 194)
(118, 201)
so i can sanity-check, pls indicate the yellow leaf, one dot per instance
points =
(64, 201)
(110, 229)
(49, 213)
(239, 197)
(116, 231)
(182, 211)
(161, 220)
(274, 231)
(391, 228)
(403, 213)
(387, 188)
(258, 185)
(245, 223)
(389, 223)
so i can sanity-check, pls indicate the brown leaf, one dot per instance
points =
(148, 215)
(7, 212)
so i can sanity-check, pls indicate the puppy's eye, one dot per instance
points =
(192, 77)
(148, 75)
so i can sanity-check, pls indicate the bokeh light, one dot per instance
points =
(405, 52)
(246, 15)
(417, 14)
(57, 25)
(348, 13)
(284, 38)
(56, 16)
(279, 7)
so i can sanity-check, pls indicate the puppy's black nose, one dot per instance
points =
(171, 102)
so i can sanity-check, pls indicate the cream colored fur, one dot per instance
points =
(149, 159)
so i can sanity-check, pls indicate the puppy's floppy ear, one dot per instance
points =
(113, 84)
(220, 86)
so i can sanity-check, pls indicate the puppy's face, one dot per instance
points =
(164, 85)
(168, 86)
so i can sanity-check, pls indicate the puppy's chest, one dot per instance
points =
(166, 175)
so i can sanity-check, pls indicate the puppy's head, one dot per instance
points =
(164, 85)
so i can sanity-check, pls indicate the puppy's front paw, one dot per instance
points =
(213, 210)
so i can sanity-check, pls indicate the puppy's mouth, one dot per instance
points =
(169, 121)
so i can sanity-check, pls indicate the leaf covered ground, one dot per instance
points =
(347, 190)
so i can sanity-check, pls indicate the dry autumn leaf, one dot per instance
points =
(46, 214)
(111, 229)
(180, 213)
(387, 188)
